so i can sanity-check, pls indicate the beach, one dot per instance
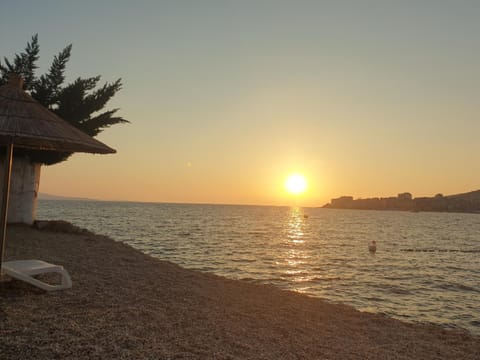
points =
(127, 305)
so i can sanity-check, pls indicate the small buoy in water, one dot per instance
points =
(305, 216)
(372, 247)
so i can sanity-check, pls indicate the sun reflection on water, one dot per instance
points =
(295, 257)
(295, 226)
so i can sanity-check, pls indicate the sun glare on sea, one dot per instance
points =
(296, 184)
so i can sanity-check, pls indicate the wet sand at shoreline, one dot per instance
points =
(128, 305)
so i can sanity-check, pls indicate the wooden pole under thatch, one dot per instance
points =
(5, 195)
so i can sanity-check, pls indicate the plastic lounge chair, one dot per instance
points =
(25, 270)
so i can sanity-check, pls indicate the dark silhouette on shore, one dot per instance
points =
(467, 202)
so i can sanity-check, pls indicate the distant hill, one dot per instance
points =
(466, 202)
(44, 196)
(472, 195)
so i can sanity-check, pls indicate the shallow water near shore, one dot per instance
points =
(426, 267)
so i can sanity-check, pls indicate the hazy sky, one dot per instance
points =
(226, 98)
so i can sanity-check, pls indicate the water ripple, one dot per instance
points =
(425, 269)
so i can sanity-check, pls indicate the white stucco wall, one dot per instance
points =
(23, 190)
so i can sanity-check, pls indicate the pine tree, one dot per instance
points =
(80, 102)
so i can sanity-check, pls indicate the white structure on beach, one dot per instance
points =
(24, 186)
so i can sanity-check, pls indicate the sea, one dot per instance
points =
(426, 267)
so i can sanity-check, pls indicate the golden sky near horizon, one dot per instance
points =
(226, 99)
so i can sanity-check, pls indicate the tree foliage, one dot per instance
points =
(81, 102)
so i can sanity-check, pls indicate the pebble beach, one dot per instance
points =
(127, 305)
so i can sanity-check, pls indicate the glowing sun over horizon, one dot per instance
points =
(296, 184)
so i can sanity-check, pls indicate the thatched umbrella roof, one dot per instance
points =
(24, 123)
(32, 126)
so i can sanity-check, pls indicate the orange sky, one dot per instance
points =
(226, 99)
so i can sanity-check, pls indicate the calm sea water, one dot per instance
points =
(426, 267)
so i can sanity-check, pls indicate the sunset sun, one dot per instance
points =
(296, 184)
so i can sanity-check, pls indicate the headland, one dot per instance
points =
(466, 202)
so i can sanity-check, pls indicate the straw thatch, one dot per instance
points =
(32, 126)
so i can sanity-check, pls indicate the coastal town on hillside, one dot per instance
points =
(466, 202)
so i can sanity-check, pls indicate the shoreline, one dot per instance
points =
(126, 304)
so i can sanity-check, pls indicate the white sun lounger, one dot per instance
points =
(25, 270)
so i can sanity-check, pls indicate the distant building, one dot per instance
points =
(405, 196)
